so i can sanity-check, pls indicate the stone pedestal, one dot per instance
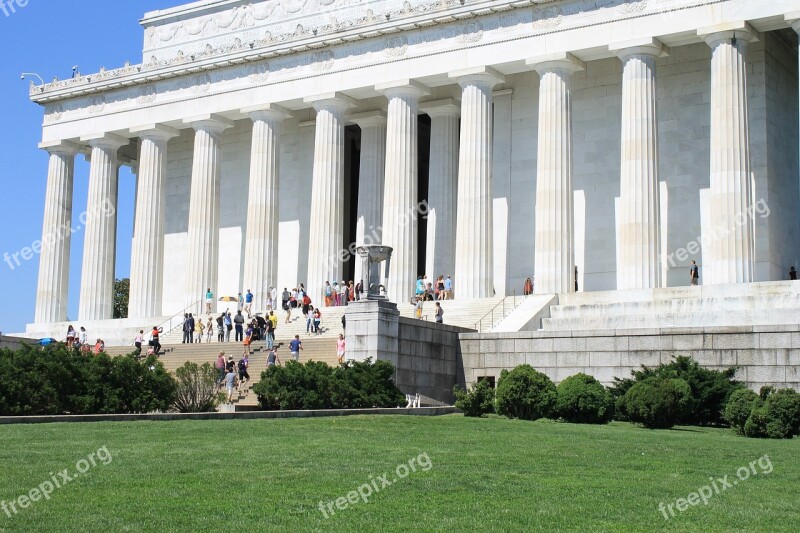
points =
(52, 290)
(372, 330)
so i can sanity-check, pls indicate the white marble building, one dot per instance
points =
(621, 137)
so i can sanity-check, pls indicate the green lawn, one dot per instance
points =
(474, 475)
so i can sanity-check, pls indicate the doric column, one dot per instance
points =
(554, 253)
(203, 265)
(52, 291)
(147, 253)
(728, 249)
(371, 170)
(401, 188)
(100, 233)
(474, 269)
(440, 246)
(261, 241)
(326, 239)
(639, 223)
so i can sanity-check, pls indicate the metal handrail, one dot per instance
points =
(479, 323)
(167, 325)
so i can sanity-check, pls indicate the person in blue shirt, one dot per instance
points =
(295, 346)
(248, 303)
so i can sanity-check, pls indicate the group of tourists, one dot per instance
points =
(442, 289)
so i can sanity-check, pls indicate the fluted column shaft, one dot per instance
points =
(147, 253)
(202, 269)
(440, 247)
(261, 241)
(639, 223)
(401, 191)
(728, 253)
(100, 233)
(52, 290)
(325, 240)
(554, 259)
(369, 224)
(474, 270)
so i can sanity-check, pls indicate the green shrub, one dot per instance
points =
(739, 406)
(657, 403)
(710, 389)
(583, 400)
(525, 393)
(315, 385)
(197, 390)
(479, 401)
(61, 380)
(778, 417)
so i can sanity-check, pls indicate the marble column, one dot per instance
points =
(203, 235)
(147, 253)
(639, 208)
(401, 188)
(326, 238)
(474, 270)
(372, 167)
(52, 290)
(554, 252)
(728, 243)
(440, 246)
(100, 229)
(261, 240)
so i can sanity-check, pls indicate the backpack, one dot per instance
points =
(242, 365)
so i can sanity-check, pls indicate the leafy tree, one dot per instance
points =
(657, 402)
(479, 401)
(582, 399)
(197, 390)
(525, 393)
(122, 290)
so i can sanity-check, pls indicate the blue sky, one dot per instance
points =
(48, 37)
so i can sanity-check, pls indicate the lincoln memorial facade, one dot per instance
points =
(597, 144)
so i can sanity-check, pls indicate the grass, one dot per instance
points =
(484, 475)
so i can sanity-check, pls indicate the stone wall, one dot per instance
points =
(765, 355)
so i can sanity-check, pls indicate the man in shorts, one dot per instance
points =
(231, 381)
(295, 346)
(272, 358)
(244, 377)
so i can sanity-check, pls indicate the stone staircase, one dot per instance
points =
(751, 304)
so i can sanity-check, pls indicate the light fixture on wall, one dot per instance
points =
(31, 74)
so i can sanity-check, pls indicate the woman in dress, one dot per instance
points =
(71, 334)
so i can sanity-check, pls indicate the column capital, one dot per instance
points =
(209, 122)
(332, 101)
(61, 147)
(267, 112)
(560, 62)
(741, 30)
(369, 118)
(441, 108)
(793, 19)
(647, 46)
(106, 140)
(155, 132)
(470, 76)
(405, 87)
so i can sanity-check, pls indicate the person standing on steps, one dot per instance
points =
(228, 326)
(186, 332)
(209, 299)
(694, 273)
(238, 321)
(294, 348)
(340, 347)
(248, 303)
(317, 321)
(220, 366)
(231, 381)
(209, 329)
(272, 322)
(439, 313)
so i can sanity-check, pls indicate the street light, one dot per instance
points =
(30, 74)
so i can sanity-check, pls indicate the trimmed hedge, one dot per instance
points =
(478, 401)
(525, 393)
(657, 403)
(316, 385)
(739, 407)
(777, 417)
(61, 380)
(583, 400)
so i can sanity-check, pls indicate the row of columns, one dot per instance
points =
(459, 212)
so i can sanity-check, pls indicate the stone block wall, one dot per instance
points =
(765, 355)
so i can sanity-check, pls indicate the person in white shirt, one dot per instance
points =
(84, 337)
